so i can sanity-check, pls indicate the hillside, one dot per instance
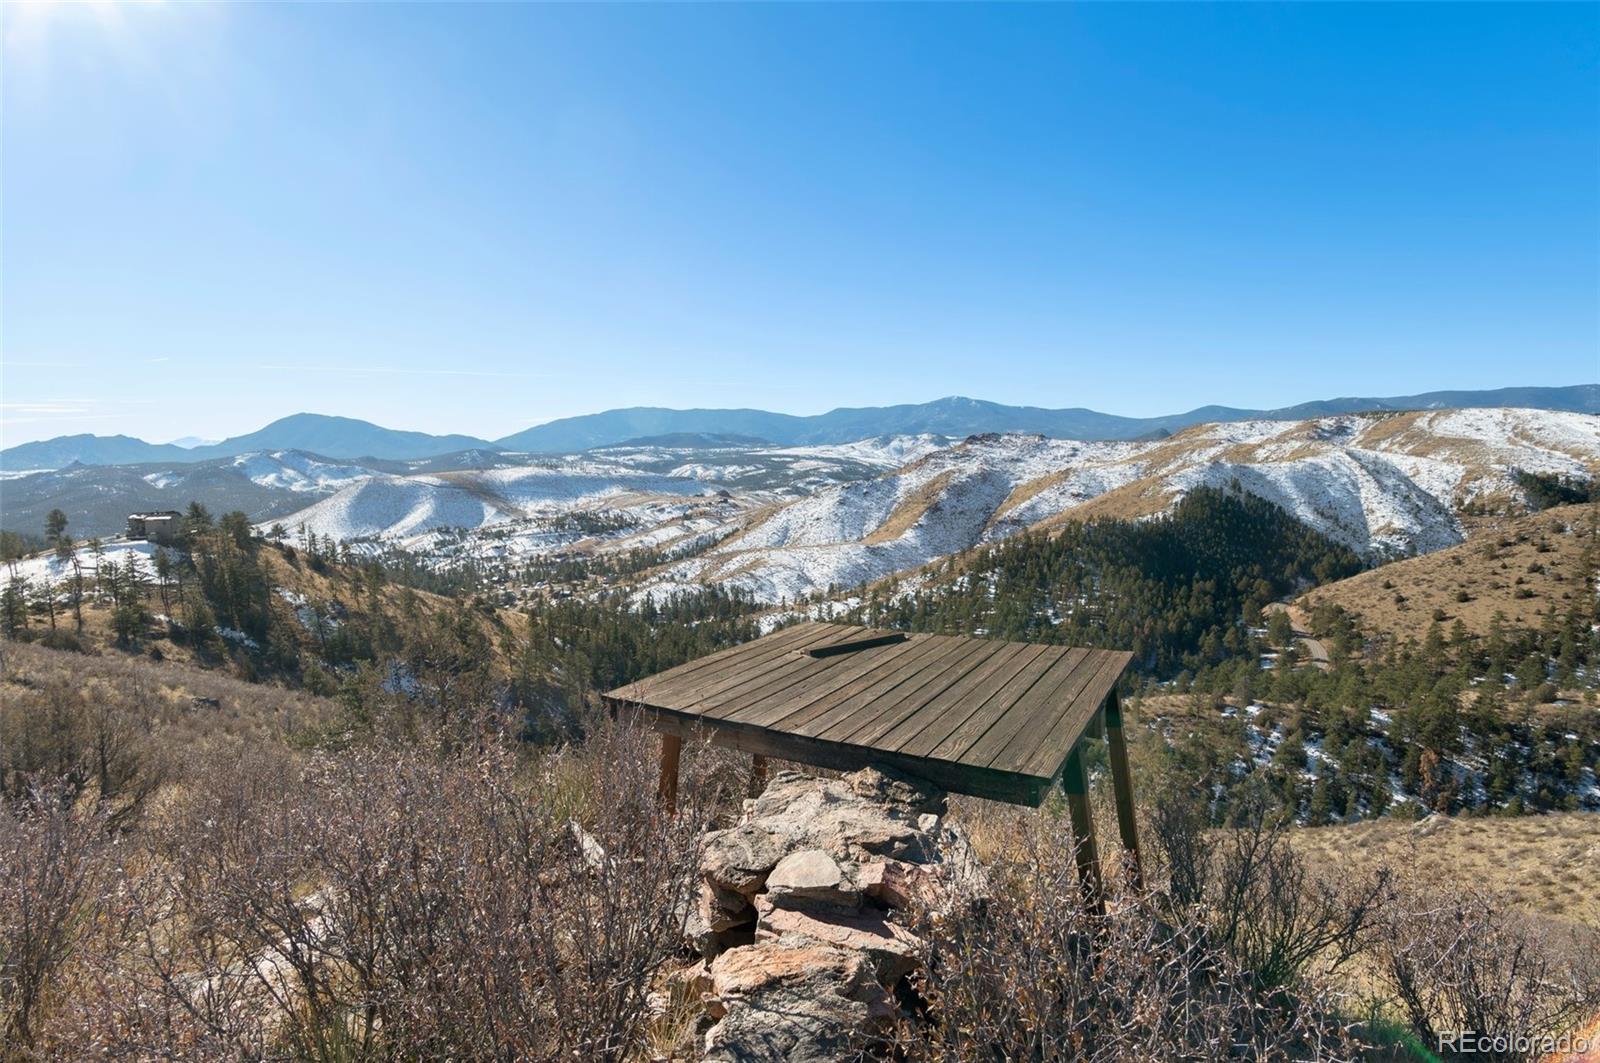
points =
(272, 612)
(1516, 567)
(98, 499)
(1382, 484)
(1541, 864)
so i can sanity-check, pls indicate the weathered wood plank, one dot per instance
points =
(965, 732)
(741, 673)
(857, 644)
(1069, 698)
(1070, 723)
(867, 690)
(959, 697)
(662, 683)
(821, 682)
(1040, 698)
(702, 665)
(845, 685)
(867, 729)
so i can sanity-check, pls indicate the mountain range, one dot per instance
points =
(345, 438)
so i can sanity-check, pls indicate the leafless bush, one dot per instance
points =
(1032, 974)
(1178, 825)
(1272, 915)
(50, 868)
(1457, 960)
(407, 903)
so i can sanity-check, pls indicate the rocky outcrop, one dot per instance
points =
(804, 906)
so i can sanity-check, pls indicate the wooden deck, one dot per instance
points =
(993, 719)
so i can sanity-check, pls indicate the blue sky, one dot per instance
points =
(476, 218)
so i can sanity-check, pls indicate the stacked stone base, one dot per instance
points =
(803, 910)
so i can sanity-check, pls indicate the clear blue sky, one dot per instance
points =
(475, 218)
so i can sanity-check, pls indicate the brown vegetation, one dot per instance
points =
(1519, 568)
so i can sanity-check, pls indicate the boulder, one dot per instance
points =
(909, 796)
(898, 884)
(738, 859)
(776, 1003)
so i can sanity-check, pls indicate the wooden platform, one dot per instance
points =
(976, 716)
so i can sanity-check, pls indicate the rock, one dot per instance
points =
(777, 1003)
(830, 814)
(898, 884)
(811, 876)
(799, 969)
(894, 950)
(739, 858)
(723, 909)
(885, 786)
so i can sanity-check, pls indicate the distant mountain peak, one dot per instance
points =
(954, 416)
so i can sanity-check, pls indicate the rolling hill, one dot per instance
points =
(1384, 484)
(1516, 567)
(343, 437)
(334, 437)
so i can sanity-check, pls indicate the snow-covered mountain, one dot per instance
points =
(1384, 484)
(642, 495)
(785, 522)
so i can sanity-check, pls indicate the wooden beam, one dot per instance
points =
(667, 789)
(1075, 781)
(758, 774)
(1122, 784)
(1009, 787)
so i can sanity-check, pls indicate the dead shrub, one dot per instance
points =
(412, 903)
(51, 867)
(1456, 959)
(1031, 973)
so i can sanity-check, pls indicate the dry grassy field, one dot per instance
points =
(1518, 566)
(1543, 865)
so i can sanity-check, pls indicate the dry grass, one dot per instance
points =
(1517, 566)
(910, 510)
(337, 590)
(1541, 865)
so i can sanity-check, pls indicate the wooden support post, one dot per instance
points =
(1075, 781)
(1122, 784)
(667, 791)
(758, 775)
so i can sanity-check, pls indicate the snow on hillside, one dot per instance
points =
(293, 470)
(1383, 484)
(787, 522)
(401, 508)
(886, 451)
(47, 568)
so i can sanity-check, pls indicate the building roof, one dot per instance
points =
(977, 716)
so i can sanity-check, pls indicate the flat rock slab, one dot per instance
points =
(894, 949)
(811, 876)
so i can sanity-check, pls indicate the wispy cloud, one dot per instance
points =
(398, 370)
